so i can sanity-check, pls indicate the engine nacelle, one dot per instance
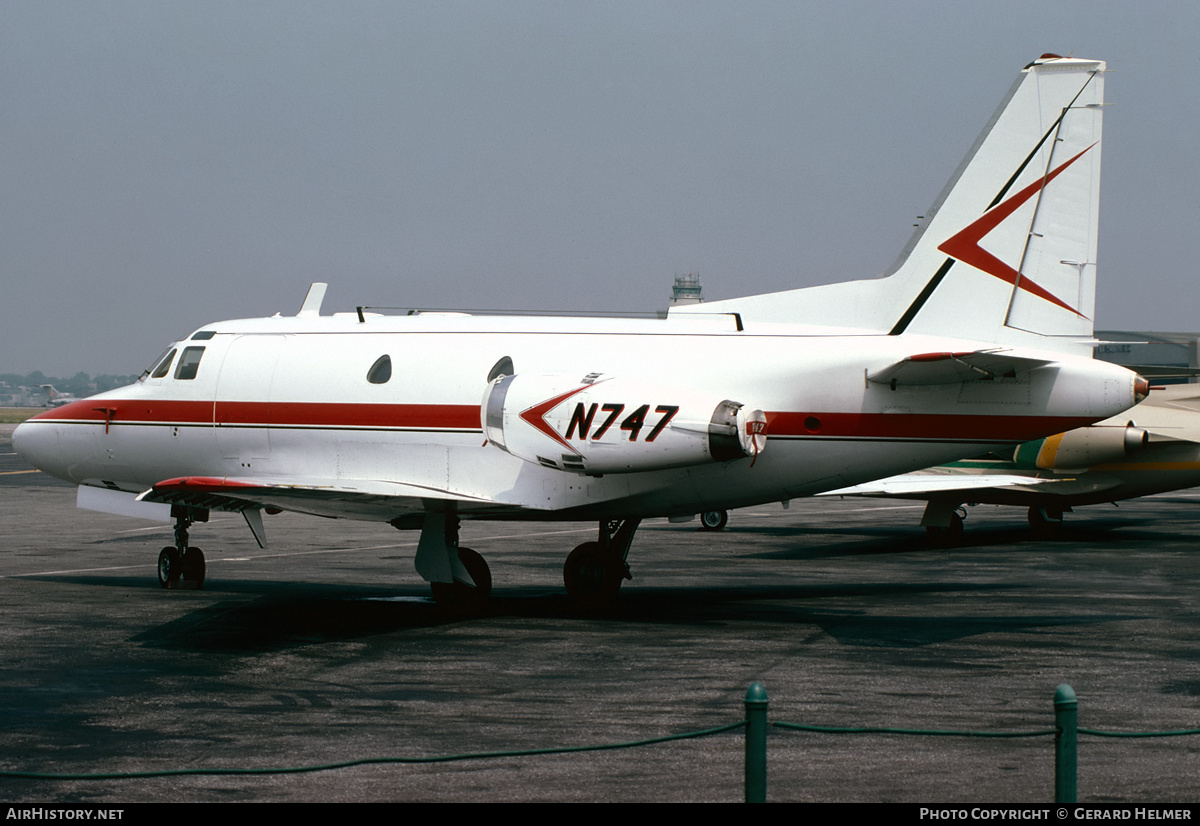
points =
(1082, 448)
(600, 423)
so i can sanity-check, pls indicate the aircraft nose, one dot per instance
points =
(38, 444)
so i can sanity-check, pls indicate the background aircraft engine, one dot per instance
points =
(1082, 448)
(600, 423)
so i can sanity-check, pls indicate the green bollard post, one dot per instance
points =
(1066, 744)
(756, 744)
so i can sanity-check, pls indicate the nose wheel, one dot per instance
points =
(170, 566)
(180, 565)
(176, 571)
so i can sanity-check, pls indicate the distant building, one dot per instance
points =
(686, 290)
(1163, 351)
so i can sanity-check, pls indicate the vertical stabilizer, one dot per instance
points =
(1008, 251)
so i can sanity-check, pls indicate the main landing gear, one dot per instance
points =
(1045, 522)
(181, 565)
(594, 571)
(461, 581)
(463, 596)
(943, 523)
(946, 535)
(458, 577)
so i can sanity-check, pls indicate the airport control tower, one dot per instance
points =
(686, 290)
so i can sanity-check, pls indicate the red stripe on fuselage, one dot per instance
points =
(937, 427)
(271, 414)
(954, 427)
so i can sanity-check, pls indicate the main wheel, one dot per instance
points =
(1045, 521)
(459, 595)
(592, 576)
(193, 568)
(169, 566)
(713, 520)
(949, 536)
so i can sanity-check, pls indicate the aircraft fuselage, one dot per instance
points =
(289, 401)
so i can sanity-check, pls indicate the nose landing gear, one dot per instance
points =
(182, 566)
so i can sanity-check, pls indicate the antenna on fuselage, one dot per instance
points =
(311, 308)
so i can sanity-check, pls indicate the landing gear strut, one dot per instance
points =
(594, 571)
(458, 577)
(943, 522)
(181, 565)
(1045, 522)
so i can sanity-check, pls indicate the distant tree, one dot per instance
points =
(78, 385)
(108, 382)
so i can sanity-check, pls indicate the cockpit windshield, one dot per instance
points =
(189, 363)
(162, 365)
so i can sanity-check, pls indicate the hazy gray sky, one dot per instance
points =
(167, 164)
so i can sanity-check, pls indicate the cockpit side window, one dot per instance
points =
(381, 370)
(164, 366)
(189, 363)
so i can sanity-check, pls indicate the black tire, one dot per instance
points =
(459, 596)
(955, 532)
(193, 568)
(1044, 522)
(714, 520)
(169, 567)
(593, 577)
(950, 536)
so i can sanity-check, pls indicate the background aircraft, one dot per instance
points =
(1152, 448)
(55, 398)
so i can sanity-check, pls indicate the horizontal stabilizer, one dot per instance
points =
(954, 368)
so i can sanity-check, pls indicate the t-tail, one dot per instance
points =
(1007, 253)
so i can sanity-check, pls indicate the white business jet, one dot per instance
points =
(979, 338)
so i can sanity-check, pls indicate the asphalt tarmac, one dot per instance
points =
(326, 648)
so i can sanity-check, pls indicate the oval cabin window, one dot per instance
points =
(381, 370)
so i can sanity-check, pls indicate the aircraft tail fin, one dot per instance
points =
(1007, 254)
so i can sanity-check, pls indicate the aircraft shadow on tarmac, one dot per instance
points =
(883, 540)
(273, 623)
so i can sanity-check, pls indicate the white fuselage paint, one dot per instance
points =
(286, 401)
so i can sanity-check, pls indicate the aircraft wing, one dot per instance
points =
(330, 497)
(952, 368)
(923, 485)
